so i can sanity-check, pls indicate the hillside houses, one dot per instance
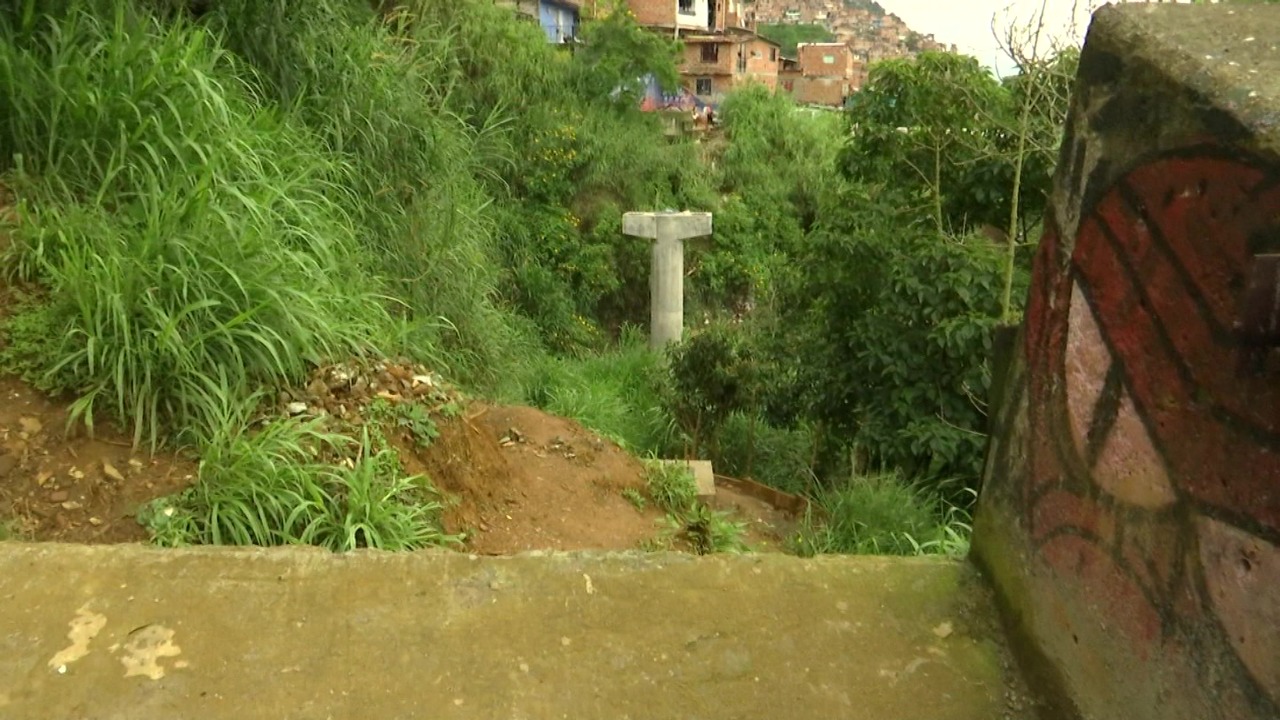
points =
(723, 49)
(862, 24)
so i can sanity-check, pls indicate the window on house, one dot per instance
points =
(702, 86)
(773, 54)
(710, 53)
(828, 59)
(686, 7)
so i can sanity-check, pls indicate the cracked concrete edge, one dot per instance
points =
(1189, 46)
(23, 551)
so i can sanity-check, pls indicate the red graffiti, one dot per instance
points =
(1140, 425)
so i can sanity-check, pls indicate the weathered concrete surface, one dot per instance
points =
(243, 634)
(1130, 514)
(704, 475)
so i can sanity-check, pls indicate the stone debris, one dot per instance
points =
(111, 473)
(345, 390)
(511, 437)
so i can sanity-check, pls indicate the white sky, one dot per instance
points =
(967, 23)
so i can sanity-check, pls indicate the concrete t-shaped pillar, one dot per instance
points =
(668, 230)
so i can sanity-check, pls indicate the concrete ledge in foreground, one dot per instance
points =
(115, 632)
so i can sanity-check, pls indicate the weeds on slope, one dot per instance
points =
(280, 485)
(617, 394)
(882, 515)
(186, 235)
(378, 94)
(673, 488)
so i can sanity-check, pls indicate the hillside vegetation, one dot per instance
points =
(789, 35)
(214, 203)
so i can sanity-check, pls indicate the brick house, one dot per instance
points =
(676, 15)
(716, 63)
(721, 48)
(824, 73)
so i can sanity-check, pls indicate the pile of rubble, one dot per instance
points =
(345, 390)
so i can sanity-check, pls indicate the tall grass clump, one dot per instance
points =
(881, 515)
(278, 485)
(183, 229)
(618, 394)
(378, 93)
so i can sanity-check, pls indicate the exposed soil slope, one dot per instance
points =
(525, 480)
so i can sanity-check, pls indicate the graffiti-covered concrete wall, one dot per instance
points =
(1130, 514)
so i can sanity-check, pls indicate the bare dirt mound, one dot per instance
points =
(523, 480)
(71, 488)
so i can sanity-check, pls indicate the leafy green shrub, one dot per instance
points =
(933, 129)
(881, 515)
(748, 446)
(711, 376)
(280, 485)
(182, 231)
(893, 324)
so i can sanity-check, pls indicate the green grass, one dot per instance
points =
(882, 515)
(186, 234)
(380, 97)
(714, 531)
(673, 489)
(616, 394)
(778, 457)
(671, 485)
(287, 483)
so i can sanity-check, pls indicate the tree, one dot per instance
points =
(930, 127)
(889, 332)
(1040, 92)
(616, 54)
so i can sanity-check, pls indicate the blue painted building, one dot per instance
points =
(559, 20)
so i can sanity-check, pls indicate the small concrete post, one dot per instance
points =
(668, 230)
